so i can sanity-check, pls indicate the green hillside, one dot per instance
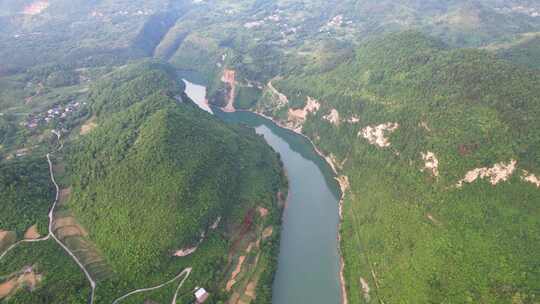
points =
(525, 51)
(152, 178)
(412, 234)
(26, 195)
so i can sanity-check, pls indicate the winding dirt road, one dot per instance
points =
(185, 272)
(51, 233)
(51, 219)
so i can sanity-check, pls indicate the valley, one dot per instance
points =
(269, 151)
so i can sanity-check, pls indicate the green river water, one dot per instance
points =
(308, 268)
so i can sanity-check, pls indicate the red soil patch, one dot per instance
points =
(247, 224)
(32, 233)
(6, 239)
(229, 77)
(25, 278)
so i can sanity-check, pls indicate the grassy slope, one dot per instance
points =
(483, 246)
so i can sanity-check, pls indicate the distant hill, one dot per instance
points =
(82, 33)
(524, 51)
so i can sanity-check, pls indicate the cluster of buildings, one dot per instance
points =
(139, 12)
(54, 113)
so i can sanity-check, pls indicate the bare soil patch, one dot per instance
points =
(235, 273)
(333, 117)
(433, 219)
(365, 288)
(263, 212)
(63, 196)
(531, 178)
(267, 232)
(88, 126)
(229, 77)
(234, 298)
(500, 172)
(250, 290)
(7, 288)
(297, 117)
(32, 233)
(376, 134)
(25, 278)
(7, 238)
(431, 163)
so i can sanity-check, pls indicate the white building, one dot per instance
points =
(201, 295)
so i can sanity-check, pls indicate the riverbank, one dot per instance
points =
(342, 186)
(305, 265)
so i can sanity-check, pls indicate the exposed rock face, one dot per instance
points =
(333, 117)
(297, 117)
(353, 119)
(376, 134)
(431, 163)
(531, 178)
(344, 183)
(500, 172)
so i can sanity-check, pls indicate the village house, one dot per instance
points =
(201, 295)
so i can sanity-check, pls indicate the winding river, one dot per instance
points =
(308, 267)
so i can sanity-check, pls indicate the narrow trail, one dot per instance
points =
(68, 251)
(51, 234)
(50, 227)
(185, 272)
(45, 238)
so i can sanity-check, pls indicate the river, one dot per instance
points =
(308, 267)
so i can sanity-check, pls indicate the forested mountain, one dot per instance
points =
(155, 176)
(81, 33)
(428, 110)
(440, 147)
